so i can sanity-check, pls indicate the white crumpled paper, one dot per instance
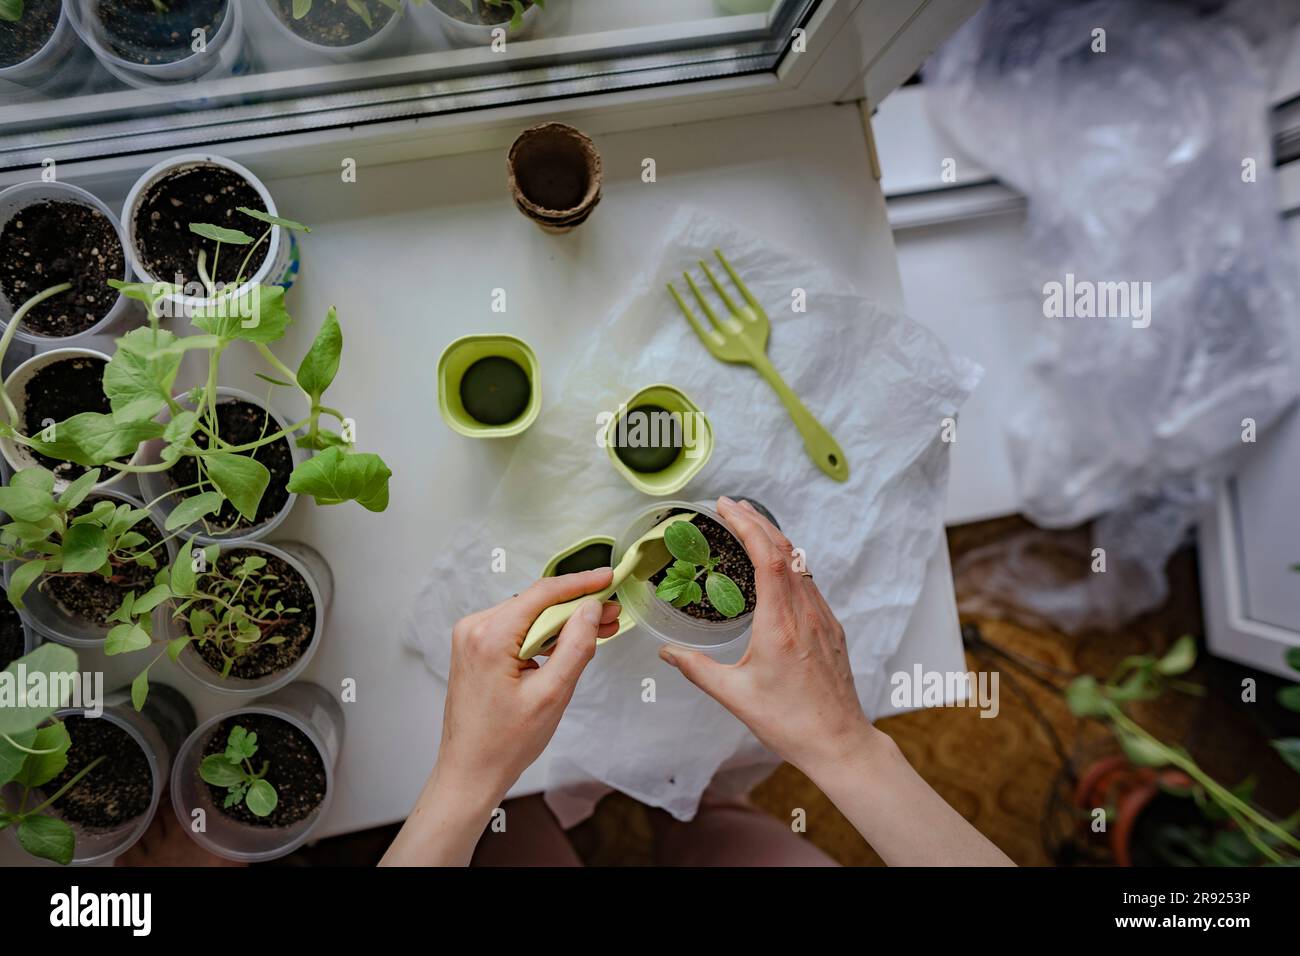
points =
(880, 382)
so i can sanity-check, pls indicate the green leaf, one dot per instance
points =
(361, 10)
(150, 293)
(724, 595)
(278, 382)
(36, 477)
(77, 491)
(321, 439)
(1085, 698)
(26, 714)
(266, 216)
(85, 548)
(152, 598)
(125, 638)
(220, 234)
(220, 772)
(1180, 658)
(183, 577)
(321, 363)
(691, 594)
(22, 578)
(241, 479)
(301, 8)
(686, 542)
(11, 10)
(47, 838)
(176, 645)
(670, 589)
(11, 758)
(180, 427)
(141, 376)
(1293, 658)
(25, 503)
(1289, 749)
(335, 476)
(192, 509)
(39, 769)
(261, 798)
(140, 690)
(240, 745)
(1142, 751)
(93, 439)
(257, 316)
(200, 621)
(1288, 697)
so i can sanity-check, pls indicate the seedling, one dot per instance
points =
(11, 11)
(233, 769)
(303, 7)
(681, 586)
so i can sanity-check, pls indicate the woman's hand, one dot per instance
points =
(500, 713)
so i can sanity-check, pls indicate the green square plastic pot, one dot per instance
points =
(625, 622)
(457, 357)
(689, 461)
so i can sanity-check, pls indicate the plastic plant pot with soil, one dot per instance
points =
(54, 233)
(47, 389)
(334, 29)
(271, 791)
(659, 440)
(203, 188)
(699, 624)
(554, 174)
(36, 46)
(148, 44)
(17, 637)
(117, 765)
(588, 554)
(474, 22)
(489, 386)
(241, 418)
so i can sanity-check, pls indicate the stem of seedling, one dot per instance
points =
(12, 329)
(66, 787)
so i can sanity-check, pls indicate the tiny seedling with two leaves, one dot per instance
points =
(681, 584)
(303, 7)
(234, 769)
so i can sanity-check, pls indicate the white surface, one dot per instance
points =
(410, 254)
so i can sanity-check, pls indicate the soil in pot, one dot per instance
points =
(22, 40)
(294, 768)
(93, 598)
(119, 789)
(149, 33)
(334, 24)
(263, 659)
(55, 241)
(589, 558)
(732, 561)
(483, 14)
(241, 423)
(495, 390)
(201, 193)
(649, 443)
(58, 391)
(12, 639)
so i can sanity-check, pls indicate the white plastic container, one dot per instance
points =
(387, 41)
(461, 33)
(156, 485)
(17, 198)
(320, 581)
(308, 707)
(43, 66)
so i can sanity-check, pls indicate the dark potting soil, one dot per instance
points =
(483, 14)
(19, 41)
(263, 659)
(56, 393)
(334, 24)
(11, 635)
(295, 769)
(495, 390)
(117, 790)
(733, 562)
(142, 32)
(93, 598)
(52, 242)
(589, 558)
(648, 439)
(241, 423)
(196, 194)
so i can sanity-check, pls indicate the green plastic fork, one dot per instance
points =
(742, 338)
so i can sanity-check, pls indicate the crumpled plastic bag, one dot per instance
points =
(1132, 162)
(883, 386)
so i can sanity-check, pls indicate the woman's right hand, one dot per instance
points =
(794, 687)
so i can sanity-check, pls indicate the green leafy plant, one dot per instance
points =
(1250, 835)
(233, 769)
(681, 585)
(303, 7)
(11, 10)
(33, 751)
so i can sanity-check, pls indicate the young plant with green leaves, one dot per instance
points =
(681, 584)
(233, 769)
(33, 751)
(11, 11)
(1248, 834)
(303, 7)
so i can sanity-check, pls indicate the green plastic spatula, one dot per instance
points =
(647, 555)
(742, 338)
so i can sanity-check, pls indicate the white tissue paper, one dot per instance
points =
(881, 383)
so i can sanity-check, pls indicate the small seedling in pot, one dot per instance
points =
(234, 770)
(681, 584)
(303, 7)
(11, 11)
(476, 7)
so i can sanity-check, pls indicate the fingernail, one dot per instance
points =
(725, 502)
(668, 656)
(591, 611)
(748, 507)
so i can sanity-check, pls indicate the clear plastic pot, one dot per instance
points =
(386, 42)
(43, 66)
(155, 485)
(19, 456)
(56, 625)
(160, 729)
(17, 198)
(658, 617)
(308, 707)
(31, 639)
(308, 562)
(461, 33)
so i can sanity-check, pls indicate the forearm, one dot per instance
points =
(445, 825)
(895, 810)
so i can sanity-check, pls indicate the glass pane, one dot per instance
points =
(87, 78)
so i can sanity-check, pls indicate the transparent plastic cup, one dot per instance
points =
(463, 34)
(222, 56)
(160, 729)
(308, 707)
(389, 40)
(320, 581)
(658, 617)
(17, 198)
(42, 66)
(156, 485)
